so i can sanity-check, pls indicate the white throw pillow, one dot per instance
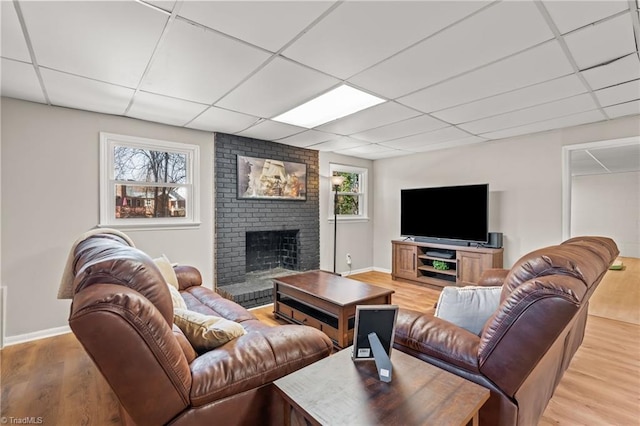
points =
(166, 269)
(468, 307)
(176, 298)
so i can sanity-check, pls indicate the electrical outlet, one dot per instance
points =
(348, 259)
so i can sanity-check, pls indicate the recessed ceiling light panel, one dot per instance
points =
(337, 103)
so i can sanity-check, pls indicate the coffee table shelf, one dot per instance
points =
(325, 301)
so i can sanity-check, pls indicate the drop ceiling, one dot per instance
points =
(451, 72)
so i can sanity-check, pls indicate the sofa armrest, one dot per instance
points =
(188, 276)
(437, 338)
(493, 277)
(257, 358)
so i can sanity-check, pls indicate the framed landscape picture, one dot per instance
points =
(263, 178)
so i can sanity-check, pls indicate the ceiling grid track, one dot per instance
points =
(274, 55)
(565, 48)
(32, 53)
(597, 161)
(635, 20)
(163, 36)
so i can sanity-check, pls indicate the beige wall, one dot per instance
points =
(50, 181)
(355, 238)
(608, 204)
(524, 176)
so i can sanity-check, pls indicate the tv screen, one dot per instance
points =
(456, 213)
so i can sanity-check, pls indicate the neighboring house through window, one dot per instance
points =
(352, 194)
(147, 182)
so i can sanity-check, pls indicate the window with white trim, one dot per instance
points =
(352, 193)
(148, 182)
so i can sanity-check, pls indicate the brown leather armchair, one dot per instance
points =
(122, 314)
(527, 344)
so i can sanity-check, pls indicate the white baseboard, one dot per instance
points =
(356, 271)
(386, 271)
(3, 316)
(27, 337)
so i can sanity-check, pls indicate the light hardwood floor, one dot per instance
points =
(55, 380)
(618, 295)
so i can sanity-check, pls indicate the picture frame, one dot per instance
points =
(378, 319)
(271, 179)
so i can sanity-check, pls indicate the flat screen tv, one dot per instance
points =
(456, 214)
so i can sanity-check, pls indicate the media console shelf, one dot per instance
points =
(454, 265)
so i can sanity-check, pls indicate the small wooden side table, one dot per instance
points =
(338, 391)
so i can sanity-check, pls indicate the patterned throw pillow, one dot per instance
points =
(206, 332)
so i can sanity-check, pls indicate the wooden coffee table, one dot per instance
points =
(338, 391)
(325, 301)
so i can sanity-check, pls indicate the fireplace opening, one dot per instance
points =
(268, 250)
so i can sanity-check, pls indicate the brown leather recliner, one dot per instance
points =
(122, 314)
(527, 344)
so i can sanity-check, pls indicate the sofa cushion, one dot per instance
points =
(206, 332)
(468, 307)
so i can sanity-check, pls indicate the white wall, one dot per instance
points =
(608, 204)
(50, 181)
(355, 238)
(524, 176)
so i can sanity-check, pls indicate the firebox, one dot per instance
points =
(266, 250)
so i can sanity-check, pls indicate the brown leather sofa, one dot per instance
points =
(527, 344)
(122, 314)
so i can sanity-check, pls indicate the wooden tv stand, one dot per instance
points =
(413, 261)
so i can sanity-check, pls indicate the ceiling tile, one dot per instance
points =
(385, 154)
(584, 164)
(372, 152)
(221, 120)
(108, 41)
(521, 98)
(200, 65)
(556, 123)
(81, 93)
(417, 141)
(542, 112)
(357, 34)
(468, 140)
(162, 109)
(619, 159)
(436, 59)
(167, 5)
(304, 139)
(19, 80)
(270, 130)
(621, 110)
(379, 115)
(624, 92)
(603, 42)
(618, 71)
(278, 87)
(412, 126)
(268, 24)
(569, 15)
(343, 142)
(542, 63)
(13, 45)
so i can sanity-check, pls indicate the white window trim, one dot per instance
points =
(107, 183)
(364, 188)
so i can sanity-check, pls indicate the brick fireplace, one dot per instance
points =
(254, 238)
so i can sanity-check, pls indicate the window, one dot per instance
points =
(147, 183)
(352, 194)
